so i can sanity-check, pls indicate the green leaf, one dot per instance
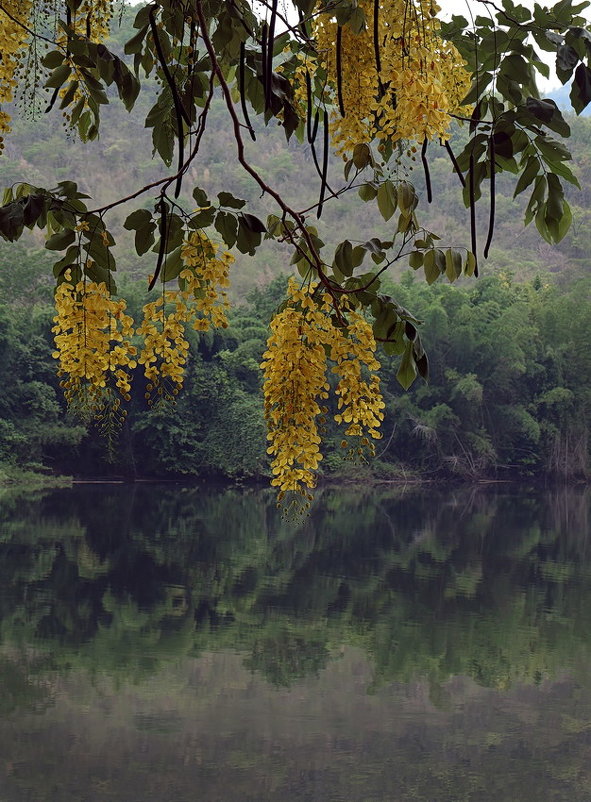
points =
(470, 265)
(407, 372)
(343, 258)
(69, 94)
(53, 59)
(137, 219)
(580, 93)
(361, 156)
(227, 226)
(432, 271)
(200, 198)
(59, 241)
(527, 176)
(387, 200)
(202, 218)
(11, 221)
(98, 273)
(415, 259)
(358, 255)
(367, 192)
(68, 260)
(407, 198)
(227, 199)
(144, 238)
(33, 208)
(134, 45)
(252, 223)
(172, 266)
(58, 76)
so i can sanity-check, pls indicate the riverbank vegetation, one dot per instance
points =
(508, 394)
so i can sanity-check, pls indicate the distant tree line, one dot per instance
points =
(509, 393)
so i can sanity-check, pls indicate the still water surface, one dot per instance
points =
(164, 643)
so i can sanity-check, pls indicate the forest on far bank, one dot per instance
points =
(509, 394)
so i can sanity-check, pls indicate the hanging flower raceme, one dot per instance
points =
(205, 279)
(92, 338)
(296, 386)
(360, 399)
(407, 90)
(165, 347)
(92, 19)
(201, 302)
(13, 41)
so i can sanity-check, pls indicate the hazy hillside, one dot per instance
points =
(42, 152)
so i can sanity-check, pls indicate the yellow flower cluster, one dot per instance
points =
(421, 81)
(13, 40)
(92, 339)
(205, 274)
(93, 18)
(164, 352)
(360, 400)
(303, 337)
(199, 303)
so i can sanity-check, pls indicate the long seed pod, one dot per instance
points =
(340, 70)
(179, 111)
(454, 161)
(491, 218)
(426, 169)
(311, 128)
(169, 79)
(376, 44)
(241, 82)
(163, 229)
(266, 79)
(270, 46)
(324, 166)
(473, 243)
(52, 99)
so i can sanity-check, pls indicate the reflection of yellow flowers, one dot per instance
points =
(303, 338)
(92, 339)
(422, 79)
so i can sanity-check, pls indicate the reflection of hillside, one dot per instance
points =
(494, 586)
(207, 729)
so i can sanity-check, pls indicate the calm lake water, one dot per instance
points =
(164, 643)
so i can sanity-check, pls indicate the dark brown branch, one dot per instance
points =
(166, 182)
(29, 30)
(313, 257)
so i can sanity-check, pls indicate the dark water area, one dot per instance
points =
(165, 643)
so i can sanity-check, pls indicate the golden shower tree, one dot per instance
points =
(373, 81)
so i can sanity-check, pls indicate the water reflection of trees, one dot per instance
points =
(492, 585)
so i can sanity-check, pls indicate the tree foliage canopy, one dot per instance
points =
(380, 83)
